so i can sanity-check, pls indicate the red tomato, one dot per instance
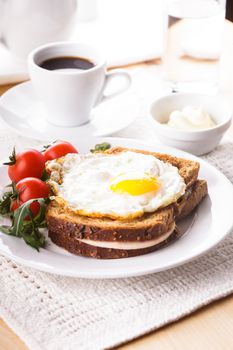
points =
(59, 149)
(30, 188)
(28, 163)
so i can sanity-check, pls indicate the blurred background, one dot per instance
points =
(126, 31)
(229, 14)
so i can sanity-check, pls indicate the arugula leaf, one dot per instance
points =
(101, 147)
(19, 215)
(34, 238)
(25, 226)
(45, 176)
(7, 198)
(5, 203)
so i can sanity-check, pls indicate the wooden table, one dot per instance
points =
(212, 326)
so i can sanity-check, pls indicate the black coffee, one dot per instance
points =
(67, 62)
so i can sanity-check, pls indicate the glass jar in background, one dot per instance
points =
(193, 44)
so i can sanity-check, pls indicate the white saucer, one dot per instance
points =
(22, 112)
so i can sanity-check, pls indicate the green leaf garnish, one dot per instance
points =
(101, 147)
(7, 198)
(45, 176)
(5, 203)
(25, 226)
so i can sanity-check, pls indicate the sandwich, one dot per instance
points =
(120, 202)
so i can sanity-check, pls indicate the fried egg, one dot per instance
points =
(123, 185)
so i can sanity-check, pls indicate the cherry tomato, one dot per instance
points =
(59, 149)
(30, 188)
(28, 163)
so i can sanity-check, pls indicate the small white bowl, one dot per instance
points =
(197, 142)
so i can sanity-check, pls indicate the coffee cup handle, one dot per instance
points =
(109, 77)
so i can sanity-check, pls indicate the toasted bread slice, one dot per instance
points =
(73, 232)
(108, 238)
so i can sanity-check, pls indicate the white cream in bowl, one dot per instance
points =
(190, 118)
(197, 141)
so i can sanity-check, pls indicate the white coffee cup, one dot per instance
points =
(70, 94)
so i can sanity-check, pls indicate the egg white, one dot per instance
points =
(86, 181)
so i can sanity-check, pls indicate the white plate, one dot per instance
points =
(22, 112)
(211, 225)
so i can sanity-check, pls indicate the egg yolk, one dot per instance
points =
(136, 187)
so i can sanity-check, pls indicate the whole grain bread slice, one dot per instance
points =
(64, 224)
(78, 247)
(67, 231)
(149, 226)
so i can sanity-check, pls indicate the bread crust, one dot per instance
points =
(140, 229)
(190, 200)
